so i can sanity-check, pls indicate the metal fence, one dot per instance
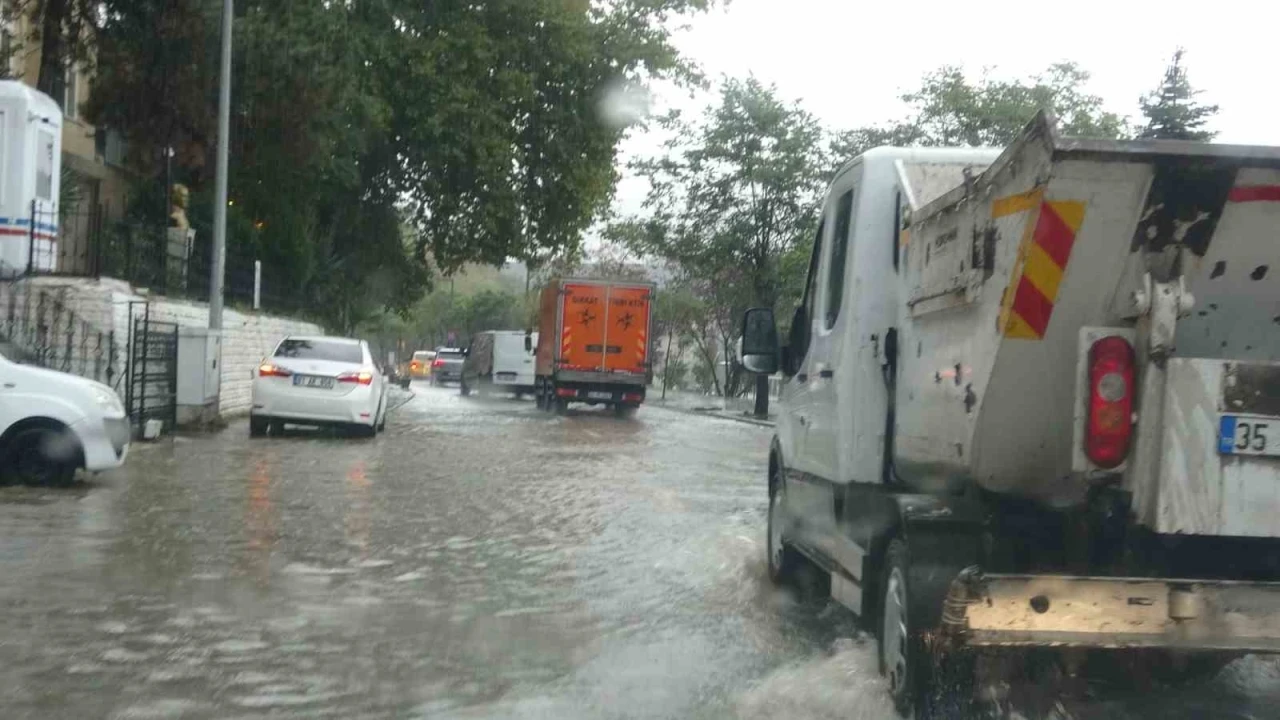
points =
(149, 256)
(42, 329)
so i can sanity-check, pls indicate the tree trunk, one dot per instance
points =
(666, 365)
(52, 70)
(762, 396)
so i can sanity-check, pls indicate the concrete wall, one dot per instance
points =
(246, 336)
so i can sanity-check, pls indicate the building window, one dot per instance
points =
(44, 167)
(70, 104)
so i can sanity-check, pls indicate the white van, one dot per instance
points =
(500, 360)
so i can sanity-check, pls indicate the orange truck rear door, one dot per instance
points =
(627, 332)
(582, 327)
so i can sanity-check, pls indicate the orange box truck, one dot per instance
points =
(593, 343)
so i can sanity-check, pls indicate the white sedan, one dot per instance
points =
(319, 381)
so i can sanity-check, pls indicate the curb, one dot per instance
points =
(718, 414)
(725, 415)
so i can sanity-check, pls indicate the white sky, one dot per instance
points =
(847, 61)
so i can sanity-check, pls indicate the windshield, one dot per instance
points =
(422, 355)
(449, 355)
(314, 349)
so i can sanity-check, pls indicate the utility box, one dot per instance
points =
(199, 375)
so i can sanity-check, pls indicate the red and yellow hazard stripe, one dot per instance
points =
(1042, 259)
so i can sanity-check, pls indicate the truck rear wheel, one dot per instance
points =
(922, 677)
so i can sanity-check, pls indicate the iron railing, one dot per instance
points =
(148, 256)
(41, 328)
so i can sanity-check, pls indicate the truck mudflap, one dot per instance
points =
(1104, 612)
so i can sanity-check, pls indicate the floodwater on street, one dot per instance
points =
(480, 559)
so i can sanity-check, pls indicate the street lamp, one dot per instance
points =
(220, 178)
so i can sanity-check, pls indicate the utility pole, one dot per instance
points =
(220, 180)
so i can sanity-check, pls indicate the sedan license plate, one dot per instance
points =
(313, 381)
(1249, 435)
(598, 395)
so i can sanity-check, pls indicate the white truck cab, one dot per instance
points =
(53, 423)
(1017, 381)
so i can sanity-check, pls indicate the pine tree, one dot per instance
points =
(1172, 111)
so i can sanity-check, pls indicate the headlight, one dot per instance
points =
(107, 399)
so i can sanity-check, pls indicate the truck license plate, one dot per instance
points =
(597, 395)
(1249, 435)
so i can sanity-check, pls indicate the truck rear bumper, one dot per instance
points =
(1104, 612)
(606, 378)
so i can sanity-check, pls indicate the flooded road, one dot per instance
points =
(478, 560)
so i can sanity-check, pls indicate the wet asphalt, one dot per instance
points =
(479, 559)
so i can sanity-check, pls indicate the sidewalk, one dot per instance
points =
(736, 409)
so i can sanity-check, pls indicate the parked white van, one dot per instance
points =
(500, 361)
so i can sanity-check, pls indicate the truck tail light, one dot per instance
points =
(566, 392)
(364, 377)
(633, 397)
(1109, 425)
(268, 370)
(437, 363)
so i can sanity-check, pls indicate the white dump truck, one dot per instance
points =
(1032, 400)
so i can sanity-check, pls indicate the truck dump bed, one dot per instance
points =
(1005, 272)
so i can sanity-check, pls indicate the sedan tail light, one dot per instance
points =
(364, 377)
(437, 363)
(269, 370)
(1109, 425)
(414, 365)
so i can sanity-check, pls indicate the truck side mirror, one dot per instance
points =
(528, 342)
(760, 341)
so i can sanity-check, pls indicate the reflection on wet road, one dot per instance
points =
(478, 560)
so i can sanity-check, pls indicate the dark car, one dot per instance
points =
(447, 367)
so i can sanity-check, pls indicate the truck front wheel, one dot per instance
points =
(783, 559)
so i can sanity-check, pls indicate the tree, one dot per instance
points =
(1172, 111)
(735, 194)
(949, 110)
(476, 124)
(678, 315)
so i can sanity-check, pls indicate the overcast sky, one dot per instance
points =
(848, 61)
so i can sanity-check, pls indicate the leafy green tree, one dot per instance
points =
(1172, 111)
(678, 314)
(481, 126)
(734, 196)
(950, 110)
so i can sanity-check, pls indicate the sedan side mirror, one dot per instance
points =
(760, 341)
